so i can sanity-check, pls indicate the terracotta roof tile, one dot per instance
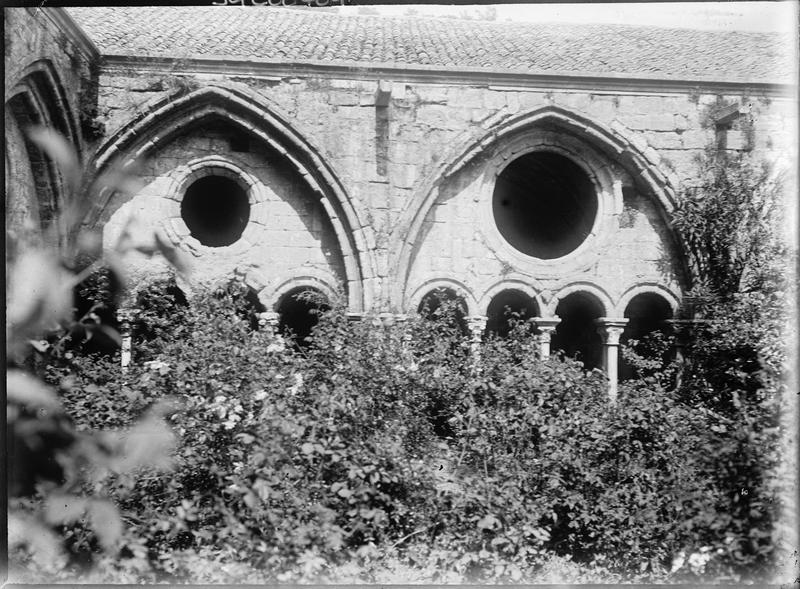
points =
(302, 35)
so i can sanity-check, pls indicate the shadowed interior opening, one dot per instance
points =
(646, 314)
(445, 305)
(544, 204)
(216, 210)
(577, 335)
(299, 311)
(507, 307)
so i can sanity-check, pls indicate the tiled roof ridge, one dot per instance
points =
(310, 35)
(466, 22)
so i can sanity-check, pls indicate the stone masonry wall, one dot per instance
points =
(288, 233)
(385, 158)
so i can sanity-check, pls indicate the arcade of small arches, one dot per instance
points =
(579, 321)
(552, 192)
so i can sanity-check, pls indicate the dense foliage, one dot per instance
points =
(390, 453)
(394, 445)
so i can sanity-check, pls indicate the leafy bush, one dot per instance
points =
(390, 444)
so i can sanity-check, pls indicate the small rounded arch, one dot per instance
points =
(431, 303)
(647, 312)
(458, 288)
(507, 305)
(521, 283)
(272, 296)
(299, 310)
(655, 289)
(595, 293)
(576, 334)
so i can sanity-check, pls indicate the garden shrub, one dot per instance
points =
(409, 446)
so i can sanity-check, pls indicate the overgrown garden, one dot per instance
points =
(402, 453)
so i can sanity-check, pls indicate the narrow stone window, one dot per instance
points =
(506, 308)
(299, 311)
(216, 210)
(577, 335)
(544, 204)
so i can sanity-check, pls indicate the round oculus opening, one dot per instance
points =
(216, 210)
(544, 205)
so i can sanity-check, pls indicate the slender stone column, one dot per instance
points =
(124, 318)
(545, 326)
(477, 325)
(269, 321)
(610, 329)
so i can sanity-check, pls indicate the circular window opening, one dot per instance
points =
(544, 204)
(216, 210)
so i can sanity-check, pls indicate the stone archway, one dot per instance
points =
(36, 189)
(561, 130)
(508, 307)
(576, 335)
(165, 118)
(647, 313)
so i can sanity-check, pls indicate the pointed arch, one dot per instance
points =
(38, 98)
(631, 153)
(167, 117)
(41, 83)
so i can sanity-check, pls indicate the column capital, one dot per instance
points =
(391, 319)
(477, 322)
(477, 325)
(270, 318)
(546, 325)
(611, 328)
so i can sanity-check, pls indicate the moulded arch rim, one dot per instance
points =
(518, 284)
(22, 85)
(201, 167)
(255, 114)
(271, 297)
(595, 166)
(593, 290)
(601, 137)
(649, 288)
(451, 283)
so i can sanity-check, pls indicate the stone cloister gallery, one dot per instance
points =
(506, 165)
